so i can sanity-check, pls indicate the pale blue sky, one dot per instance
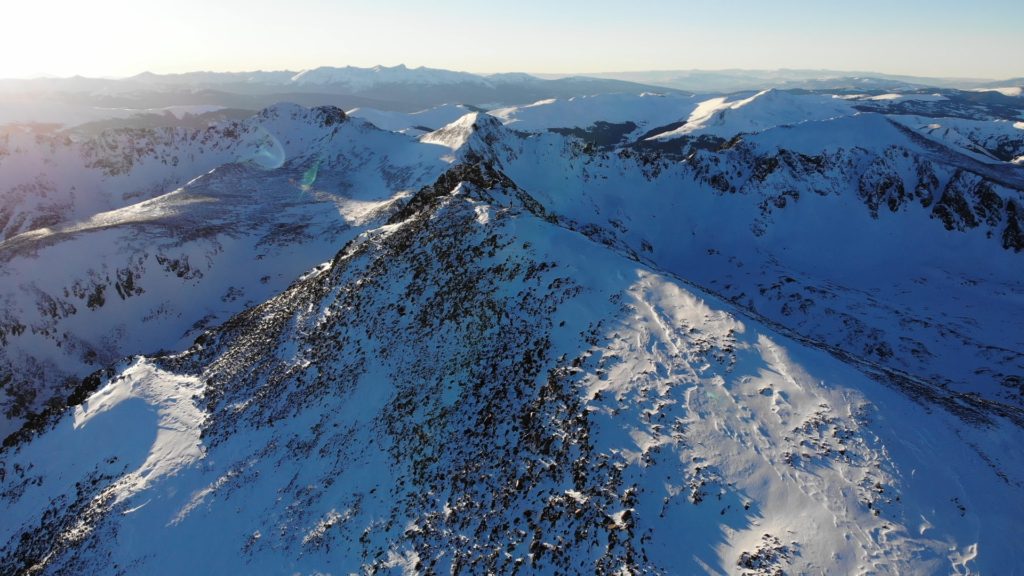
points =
(977, 38)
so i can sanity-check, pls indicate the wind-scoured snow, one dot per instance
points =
(146, 423)
(176, 428)
(726, 116)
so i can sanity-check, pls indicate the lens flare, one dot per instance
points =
(264, 151)
(309, 176)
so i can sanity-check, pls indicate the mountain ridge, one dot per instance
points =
(539, 341)
(547, 451)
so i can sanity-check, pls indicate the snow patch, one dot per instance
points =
(767, 109)
(894, 97)
(331, 519)
(1015, 91)
(406, 561)
(179, 420)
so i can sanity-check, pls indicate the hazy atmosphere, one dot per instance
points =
(104, 38)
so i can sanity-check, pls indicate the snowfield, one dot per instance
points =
(756, 334)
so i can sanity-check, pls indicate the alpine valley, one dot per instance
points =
(625, 331)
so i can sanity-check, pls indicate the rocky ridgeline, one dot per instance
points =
(894, 180)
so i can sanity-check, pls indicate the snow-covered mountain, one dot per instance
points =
(52, 178)
(366, 78)
(768, 332)
(122, 253)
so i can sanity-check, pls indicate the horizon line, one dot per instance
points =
(842, 73)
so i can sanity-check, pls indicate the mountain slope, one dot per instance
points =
(794, 221)
(853, 231)
(150, 275)
(792, 344)
(472, 387)
(792, 203)
(52, 178)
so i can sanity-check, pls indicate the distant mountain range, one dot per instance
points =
(736, 80)
(74, 100)
(77, 100)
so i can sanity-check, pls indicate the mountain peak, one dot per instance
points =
(470, 127)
